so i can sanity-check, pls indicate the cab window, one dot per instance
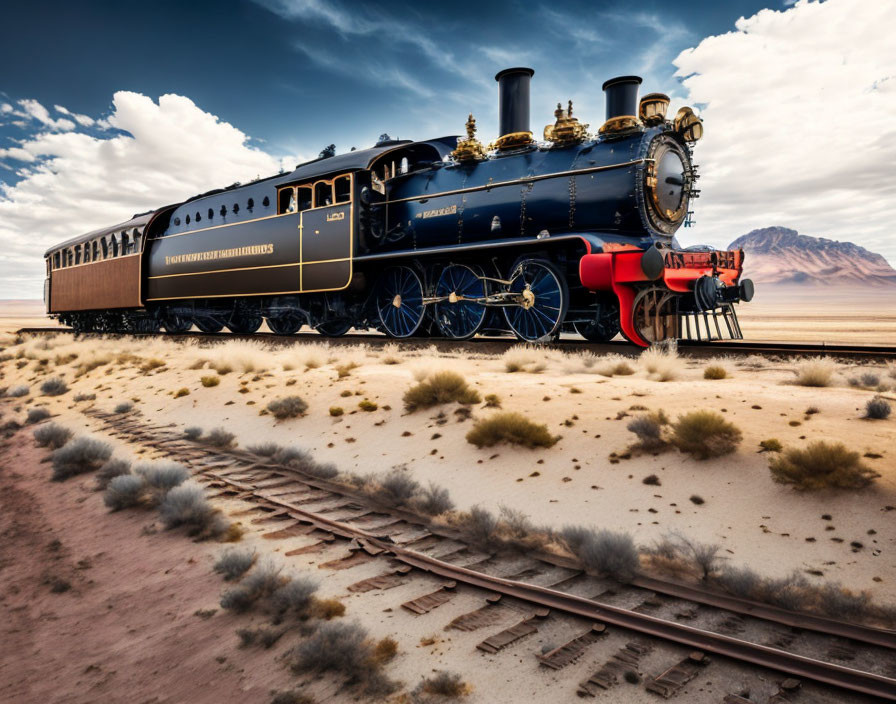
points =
(323, 194)
(304, 197)
(343, 189)
(286, 201)
(77, 255)
(56, 260)
(95, 253)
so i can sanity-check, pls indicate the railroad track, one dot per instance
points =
(528, 589)
(568, 343)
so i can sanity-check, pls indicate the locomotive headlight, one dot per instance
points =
(667, 184)
(652, 108)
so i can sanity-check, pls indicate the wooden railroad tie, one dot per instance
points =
(668, 683)
(567, 654)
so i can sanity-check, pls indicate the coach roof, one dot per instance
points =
(136, 222)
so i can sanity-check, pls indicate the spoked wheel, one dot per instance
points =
(285, 323)
(399, 301)
(458, 317)
(605, 325)
(176, 324)
(335, 327)
(206, 324)
(654, 315)
(82, 323)
(543, 300)
(244, 323)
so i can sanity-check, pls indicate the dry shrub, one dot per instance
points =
(705, 434)
(287, 407)
(512, 428)
(770, 445)
(815, 372)
(233, 564)
(821, 465)
(264, 449)
(433, 500)
(715, 371)
(390, 354)
(182, 392)
(336, 411)
(92, 361)
(649, 429)
(124, 491)
(52, 436)
(327, 609)
(524, 358)
(151, 364)
(343, 370)
(877, 408)
(344, 648)
(162, 476)
(385, 650)
(661, 362)
(84, 397)
(186, 505)
(367, 406)
(492, 401)
(603, 551)
(54, 387)
(218, 437)
(481, 527)
(613, 365)
(113, 467)
(265, 637)
(397, 488)
(294, 697)
(439, 388)
(294, 597)
(443, 684)
(301, 460)
(123, 407)
(210, 380)
(81, 455)
(17, 391)
(36, 415)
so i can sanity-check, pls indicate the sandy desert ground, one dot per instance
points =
(845, 536)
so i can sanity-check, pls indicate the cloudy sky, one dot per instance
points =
(112, 108)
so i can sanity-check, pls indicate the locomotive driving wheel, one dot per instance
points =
(244, 323)
(399, 301)
(458, 315)
(175, 324)
(655, 315)
(542, 300)
(605, 324)
(208, 324)
(285, 323)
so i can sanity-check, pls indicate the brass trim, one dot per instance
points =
(217, 227)
(512, 140)
(248, 268)
(516, 181)
(619, 123)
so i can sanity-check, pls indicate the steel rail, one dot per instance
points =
(765, 656)
(483, 343)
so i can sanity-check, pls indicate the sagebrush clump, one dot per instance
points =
(52, 436)
(18, 391)
(233, 564)
(705, 434)
(288, 407)
(877, 408)
(114, 467)
(54, 387)
(440, 388)
(124, 491)
(649, 429)
(124, 407)
(186, 505)
(603, 551)
(714, 372)
(821, 465)
(36, 415)
(512, 428)
(815, 372)
(81, 455)
(218, 437)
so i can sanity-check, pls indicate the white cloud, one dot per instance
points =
(799, 116)
(73, 182)
(36, 111)
(83, 120)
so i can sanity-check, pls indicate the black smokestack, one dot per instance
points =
(513, 100)
(622, 96)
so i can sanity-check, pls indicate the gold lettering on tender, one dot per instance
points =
(450, 210)
(331, 217)
(215, 254)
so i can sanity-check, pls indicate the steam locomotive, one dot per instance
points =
(441, 237)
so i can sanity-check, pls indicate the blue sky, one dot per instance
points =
(111, 108)
(298, 76)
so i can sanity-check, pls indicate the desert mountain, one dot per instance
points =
(778, 255)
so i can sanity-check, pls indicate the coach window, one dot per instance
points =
(114, 243)
(95, 251)
(343, 188)
(136, 240)
(236, 208)
(223, 210)
(250, 204)
(77, 255)
(86, 252)
(187, 219)
(104, 245)
(56, 260)
(323, 194)
(286, 200)
(211, 213)
(124, 243)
